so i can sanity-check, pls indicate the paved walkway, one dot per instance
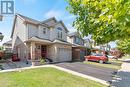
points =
(123, 76)
(12, 65)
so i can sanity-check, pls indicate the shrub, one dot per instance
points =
(42, 61)
(7, 55)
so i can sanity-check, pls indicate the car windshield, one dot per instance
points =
(95, 54)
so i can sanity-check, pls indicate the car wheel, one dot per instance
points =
(101, 61)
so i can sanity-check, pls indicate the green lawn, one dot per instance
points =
(44, 77)
(114, 64)
(125, 57)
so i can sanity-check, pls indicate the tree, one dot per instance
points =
(105, 20)
(124, 46)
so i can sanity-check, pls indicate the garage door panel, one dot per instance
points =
(64, 54)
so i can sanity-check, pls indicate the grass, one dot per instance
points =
(44, 77)
(125, 57)
(113, 64)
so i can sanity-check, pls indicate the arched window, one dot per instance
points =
(59, 34)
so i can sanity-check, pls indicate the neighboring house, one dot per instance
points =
(87, 43)
(7, 46)
(32, 39)
(78, 48)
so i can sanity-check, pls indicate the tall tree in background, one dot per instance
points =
(105, 20)
(124, 46)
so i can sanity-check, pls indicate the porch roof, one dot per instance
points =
(37, 39)
(61, 42)
(77, 45)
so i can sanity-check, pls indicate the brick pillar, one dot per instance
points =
(32, 52)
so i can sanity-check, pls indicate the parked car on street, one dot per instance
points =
(110, 56)
(97, 57)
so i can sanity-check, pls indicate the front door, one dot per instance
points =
(43, 51)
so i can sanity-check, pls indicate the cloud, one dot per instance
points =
(54, 13)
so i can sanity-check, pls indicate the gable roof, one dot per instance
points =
(27, 19)
(33, 21)
(8, 42)
(63, 25)
(53, 18)
(72, 34)
(50, 19)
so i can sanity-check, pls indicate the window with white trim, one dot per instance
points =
(44, 30)
(59, 34)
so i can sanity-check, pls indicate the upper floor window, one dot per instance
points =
(44, 30)
(78, 40)
(59, 32)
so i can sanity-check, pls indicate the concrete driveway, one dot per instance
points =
(102, 73)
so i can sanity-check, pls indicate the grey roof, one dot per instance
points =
(72, 34)
(8, 42)
(86, 40)
(77, 45)
(32, 20)
(35, 38)
(47, 20)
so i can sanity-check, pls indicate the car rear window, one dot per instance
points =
(98, 55)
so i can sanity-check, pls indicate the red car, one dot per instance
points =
(97, 57)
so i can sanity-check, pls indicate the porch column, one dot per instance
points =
(32, 53)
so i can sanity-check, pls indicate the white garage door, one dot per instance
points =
(64, 54)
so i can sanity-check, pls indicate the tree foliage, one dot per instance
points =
(105, 20)
(124, 46)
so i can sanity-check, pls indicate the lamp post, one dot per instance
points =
(1, 37)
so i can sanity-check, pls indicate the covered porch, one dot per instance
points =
(38, 50)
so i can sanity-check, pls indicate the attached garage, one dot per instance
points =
(59, 52)
(78, 53)
(64, 54)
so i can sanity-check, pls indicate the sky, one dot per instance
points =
(39, 10)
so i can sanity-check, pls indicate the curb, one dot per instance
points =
(62, 69)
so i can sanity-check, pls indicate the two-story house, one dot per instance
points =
(78, 48)
(32, 39)
(8, 46)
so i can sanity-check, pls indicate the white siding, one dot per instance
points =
(43, 35)
(19, 31)
(32, 30)
(64, 33)
(53, 34)
(70, 39)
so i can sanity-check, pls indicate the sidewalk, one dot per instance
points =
(123, 76)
